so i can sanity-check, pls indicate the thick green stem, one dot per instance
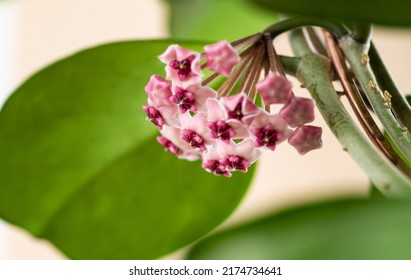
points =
(314, 74)
(299, 44)
(400, 106)
(360, 109)
(356, 54)
(290, 64)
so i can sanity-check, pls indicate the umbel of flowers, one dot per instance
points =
(225, 127)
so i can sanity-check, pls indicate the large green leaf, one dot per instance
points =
(394, 12)
(79, 165)
(217, 19)
(374, 229)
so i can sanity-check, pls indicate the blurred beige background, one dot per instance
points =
(37, 32)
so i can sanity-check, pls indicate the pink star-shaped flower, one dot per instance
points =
(298, 111)
(183, 66)
(268, 130)
(275, 89)
(239, 107)
(160, 110)
(192, 98)
(306, 138)
(195, 130)
(171, 140)
(221, 57)
(221, 127)
(159, 91)
(212, 164)
(238, 156)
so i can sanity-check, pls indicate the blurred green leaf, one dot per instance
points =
(357, 229)
(80, 166)
(217, 19)
(395, 12)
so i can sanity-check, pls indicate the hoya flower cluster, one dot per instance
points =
(225, 128)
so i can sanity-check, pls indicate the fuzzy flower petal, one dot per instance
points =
(183, 66)
(269, 130)
(172, 142)
(191, 99)
(239, 106)
(298, 111)
(275, 89)
(220, 125)
(306, 138)
(159, 91)
(238, 156)
(215, 110)
(221, 57)
(212, 164)
(195, 130)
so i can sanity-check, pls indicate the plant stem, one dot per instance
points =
(314, 73)
(360, 109)
(381, 104)
(400, 106)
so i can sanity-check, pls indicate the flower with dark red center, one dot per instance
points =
(235, 163)
(183, 66)
(184, 100)
(221, 130)
(173, 135)
(216, 167)
(237, 113)
(193, 139)
(239, 106)
(266, 136)
(227, 127)
(268, 130)
(237, 156)
(168, 145)
(154, 116)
